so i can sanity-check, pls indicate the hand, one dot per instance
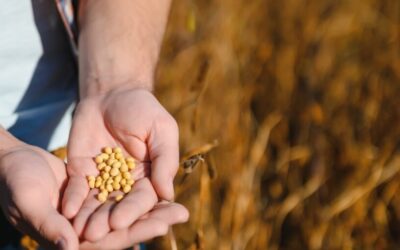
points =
(31, 182)
(155, 223)
(135, 121)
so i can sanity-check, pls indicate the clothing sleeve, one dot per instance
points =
(67, 10)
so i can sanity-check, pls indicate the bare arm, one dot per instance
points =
(119, 43)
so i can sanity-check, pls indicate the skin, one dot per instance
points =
(134, 120)
(119, 43)
(31, 181)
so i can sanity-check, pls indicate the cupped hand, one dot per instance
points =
(135, 121)
(152, 224)
(31, 183)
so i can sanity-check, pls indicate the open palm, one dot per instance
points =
(135, 121)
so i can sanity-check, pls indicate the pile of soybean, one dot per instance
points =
(114, 173)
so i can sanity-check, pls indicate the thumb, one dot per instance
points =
(54, 231)
(163, 146)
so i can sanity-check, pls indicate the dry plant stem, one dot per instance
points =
(381, 174)
(172, 239)
(292, 201)
(243, 192)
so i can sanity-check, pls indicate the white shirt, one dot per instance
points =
(38, 74)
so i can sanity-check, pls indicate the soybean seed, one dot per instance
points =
(101, 166)
(105, 156)
(124, 168)
(131, 165)
(127, 188)
(107, 150)
(118, 156)
(105, 176)
(126, 175)
(98, 159)
(114, 172)
(130, 182)
(116, 164)
(118, 178)
(119, 197)
(110, 161)
(117, 150)
(109, 188)
(92, 183)
(116, 186)
(101, 197)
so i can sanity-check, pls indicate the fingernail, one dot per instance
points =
(61, 244)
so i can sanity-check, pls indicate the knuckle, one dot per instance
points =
(168, 122)
(173, 123)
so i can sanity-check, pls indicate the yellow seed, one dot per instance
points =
(107, 150)
(105, 192)
(110, 161)
(101, 197)
(123, 182)
(101, 166)
(109, 188)
(124, 168)
(105, 176)
(118, 156)
(116, 164)
(127, 188)
(107, 168)
(114, 172)
(126, 175)
(130, 182)
(98, 159)
(92, 183)
(116, 186)
(97, 184)
(131, 165)
(118, 178)
(119, 197)
(105, 156)
(90, 177)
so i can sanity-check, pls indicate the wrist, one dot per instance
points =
(95, 86)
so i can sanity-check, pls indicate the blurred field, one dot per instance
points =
(303, 97)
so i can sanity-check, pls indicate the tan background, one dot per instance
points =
(303, 97)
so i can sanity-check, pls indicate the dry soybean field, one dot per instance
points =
(289, 115)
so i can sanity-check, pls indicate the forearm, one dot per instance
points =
(119, 43)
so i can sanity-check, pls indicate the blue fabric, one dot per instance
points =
(38, 73)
